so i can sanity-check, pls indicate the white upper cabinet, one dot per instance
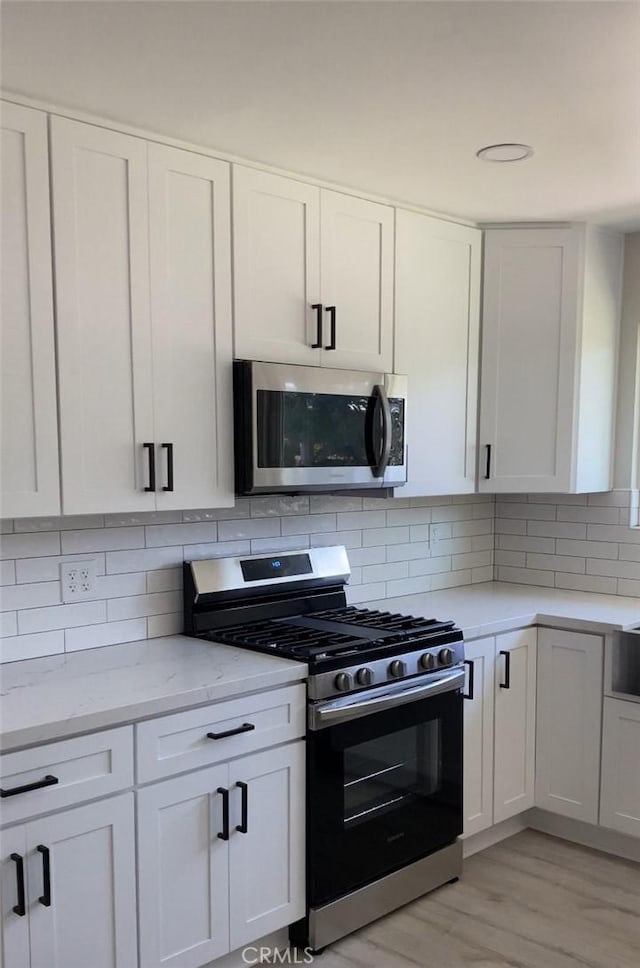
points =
(190, 262)
(288, 310)
(144, 322)
(357, 282)
(100, 209)
(29, 431)
(437, 327)
(276, 246)
(549, 344)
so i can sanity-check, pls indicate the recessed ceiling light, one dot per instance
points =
(505, 152)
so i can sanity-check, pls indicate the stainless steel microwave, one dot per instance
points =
(308, 428)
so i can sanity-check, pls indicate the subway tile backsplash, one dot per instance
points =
(580, 542)
(138, 559)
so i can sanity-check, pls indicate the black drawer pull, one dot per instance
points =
(225, 813)
(20, 908)
(169, 449)
(471, 666)
(507, 670)
(332, 328)
(45, 897)
(38, 785)
(318, 342)
(243, 826)
(245, 728)
(151, 449)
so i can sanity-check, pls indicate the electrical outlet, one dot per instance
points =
(78, 580)
(440, 532)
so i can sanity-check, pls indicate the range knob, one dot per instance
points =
(427, 661)
(445, 656)
(398, 669)
(364, 676)
(343, 681)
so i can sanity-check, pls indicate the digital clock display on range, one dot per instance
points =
(276, 566)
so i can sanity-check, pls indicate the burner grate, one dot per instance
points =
(279, 635)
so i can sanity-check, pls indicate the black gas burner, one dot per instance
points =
(330, 634)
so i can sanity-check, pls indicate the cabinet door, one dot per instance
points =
(14, 932)
(478, 735)
(190, 253)
(529, 340)
(620, 795)
(357, 279)
(91, 919)
(569, 712)
(515, 723)
(267, 873)
(437, 327)
(100, 222)
(183, 871)
(29, 429)
(276, 267)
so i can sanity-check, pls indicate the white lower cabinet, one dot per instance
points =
(620, 792)
(569, 713)
(79, 889)
(499, 728)
(478, 735)
(202, 895)
(515, 723)
(183, 870)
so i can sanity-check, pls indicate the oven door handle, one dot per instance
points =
(344, 710)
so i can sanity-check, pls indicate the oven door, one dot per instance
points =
(385, 786)
(316, 428)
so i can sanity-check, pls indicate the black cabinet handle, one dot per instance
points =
(243, 826)
(332, 328)
(245, 728)
(45, 897)
(20, 908)
(151, 448)
(487, 472)
(38, 785)
(318, 342)
(225, 813)
(507, 670)
(471, 666)
(169, 450)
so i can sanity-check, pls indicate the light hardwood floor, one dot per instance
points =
(532, 901)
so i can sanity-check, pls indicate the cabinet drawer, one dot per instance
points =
(174, 744)
(84, 767)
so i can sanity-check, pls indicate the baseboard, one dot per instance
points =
(493, 835)
(589, 835)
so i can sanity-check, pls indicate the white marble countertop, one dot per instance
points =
(492, 607)
(60, 695)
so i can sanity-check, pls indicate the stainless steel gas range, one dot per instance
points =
(384, 739)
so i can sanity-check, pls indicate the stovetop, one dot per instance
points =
(293, 605)
(331, 634)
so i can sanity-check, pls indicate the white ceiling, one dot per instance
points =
(388, 97)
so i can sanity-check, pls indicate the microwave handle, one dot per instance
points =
(381, 401)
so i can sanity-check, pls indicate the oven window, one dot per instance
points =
(321, 429)
(392, 772)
